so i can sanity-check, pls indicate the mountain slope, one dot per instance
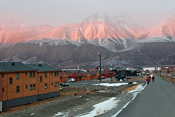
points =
(81, 43)
(143, 54)
(112, 35)
(164, 29)
(61, 54)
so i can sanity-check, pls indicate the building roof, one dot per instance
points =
(14, 67)
(75, 70)
(120, 68)
(43, 67)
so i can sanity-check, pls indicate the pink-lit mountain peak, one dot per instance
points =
(88, 31)
(164, 29)
(168, 29)
(92, 28)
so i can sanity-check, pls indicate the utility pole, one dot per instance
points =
(100, 70)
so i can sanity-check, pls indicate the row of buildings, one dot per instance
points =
(168, 69)
(27, 83)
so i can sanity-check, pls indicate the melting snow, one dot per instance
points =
(135, 83)
(106, 106)
(59, 114)
(102, 107)
(111, 84)
(32, 114)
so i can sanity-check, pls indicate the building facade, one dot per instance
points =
(23, 84)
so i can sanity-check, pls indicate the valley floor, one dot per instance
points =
(105, 102)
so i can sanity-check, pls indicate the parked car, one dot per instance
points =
(64, 84)
(71, 80)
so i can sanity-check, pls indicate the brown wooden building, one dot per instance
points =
(23, 84)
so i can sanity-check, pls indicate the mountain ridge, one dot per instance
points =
(89, 29)
(113, 35)
(93, 28)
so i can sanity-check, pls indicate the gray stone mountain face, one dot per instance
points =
(64, 54)
(70, 54)
(160, 53)
(113, 35)
(115, 38)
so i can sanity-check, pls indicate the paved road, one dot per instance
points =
(157, 100)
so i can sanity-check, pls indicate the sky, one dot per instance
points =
(57, 12)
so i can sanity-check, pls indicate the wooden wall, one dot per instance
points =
(28, 85)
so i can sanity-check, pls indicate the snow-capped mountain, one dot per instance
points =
(77, 43)
(21, 33)
(112, 35)
(165, 29)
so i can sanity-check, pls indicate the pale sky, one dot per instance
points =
(57, 12)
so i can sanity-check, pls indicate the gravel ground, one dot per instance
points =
(72, 105)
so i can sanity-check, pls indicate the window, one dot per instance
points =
(31, 74)
(45, 86)
(2, 75)
(45, 74)
(41, 78)
(26, 86)
(26, 73)
(3, 90)
(17, 89)
(17, 76)
(30, 87)
(10, 80)
(34, 86)
(56, 73)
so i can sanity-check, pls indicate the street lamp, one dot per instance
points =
(100, 68)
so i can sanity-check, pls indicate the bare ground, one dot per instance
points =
(71, 104)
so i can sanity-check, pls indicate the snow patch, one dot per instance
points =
(111, 84)
(59, 114)
(32, 114)
(135, 83)
(151, 68)
(102, 108)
